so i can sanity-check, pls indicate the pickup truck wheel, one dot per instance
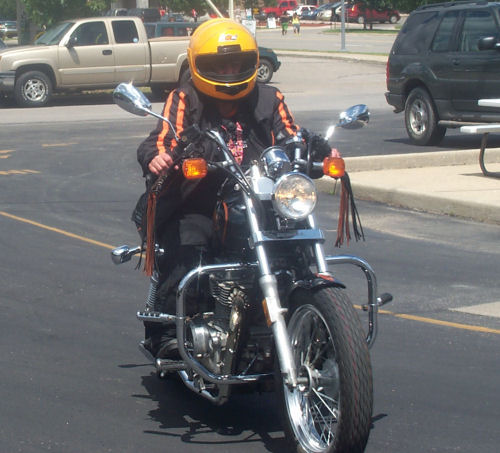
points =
(33, 89)
(421, 119)
(393, 19)
(361, 19)
(264, 71)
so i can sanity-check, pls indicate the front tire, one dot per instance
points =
(264, 71)
(421, 119)
(331, 413)
(33, 89)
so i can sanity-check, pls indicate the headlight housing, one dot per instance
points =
(294, 196)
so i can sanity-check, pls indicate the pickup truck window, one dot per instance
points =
(125, 31)
(54, 34)
(91, 34)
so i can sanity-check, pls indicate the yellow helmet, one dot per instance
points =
(223, 59)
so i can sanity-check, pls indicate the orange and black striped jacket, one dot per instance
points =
(271, 122)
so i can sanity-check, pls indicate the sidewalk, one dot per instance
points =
(448, 182)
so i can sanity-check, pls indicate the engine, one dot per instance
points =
(229, 340)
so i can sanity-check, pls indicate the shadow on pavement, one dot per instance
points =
(244, 419)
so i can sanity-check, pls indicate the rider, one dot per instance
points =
(223, 94)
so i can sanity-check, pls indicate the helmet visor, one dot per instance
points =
(231, 67)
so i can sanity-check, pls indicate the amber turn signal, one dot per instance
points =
(334, 167)
(194, 168)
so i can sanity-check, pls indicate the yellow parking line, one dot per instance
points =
(54, 145)
(56, 230)
(384, 312)
(436, 321)
(18, 172)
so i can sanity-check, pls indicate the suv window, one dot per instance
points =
(477, 25)
(411, 39)
(125, 31)
(444, 34)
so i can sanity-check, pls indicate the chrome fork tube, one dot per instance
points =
(269, 286)
(318, 249)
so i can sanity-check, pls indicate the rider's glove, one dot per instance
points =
(320, 148)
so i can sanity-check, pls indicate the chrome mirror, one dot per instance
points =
(354, 117)
(129, 98)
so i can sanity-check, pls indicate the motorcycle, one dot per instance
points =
(276, 318)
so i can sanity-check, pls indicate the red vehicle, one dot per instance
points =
(361, 13)
(277, 11)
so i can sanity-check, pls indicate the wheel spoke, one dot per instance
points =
(323, 399)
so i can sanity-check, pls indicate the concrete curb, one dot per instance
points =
(449, 183)
(434, 159)
(365, 58)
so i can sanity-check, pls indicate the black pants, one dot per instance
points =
(186, 239)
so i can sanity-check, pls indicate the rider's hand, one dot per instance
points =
(334, 152)
(160, 163)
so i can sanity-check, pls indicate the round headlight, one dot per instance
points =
(294, 196)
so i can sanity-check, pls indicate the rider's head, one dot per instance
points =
(223, 59)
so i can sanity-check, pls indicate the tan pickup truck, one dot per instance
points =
(91, 53)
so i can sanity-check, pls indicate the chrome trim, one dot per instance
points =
(371, 280)
(260, 237)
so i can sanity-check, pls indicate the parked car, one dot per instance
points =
(360, 12)
(116, 12)
(146, 14)
(268, 64)
(445, 58)
(302, 10)
(8, 28)
(91, 53)
(157, 29)
(325, 6)
(326, 14)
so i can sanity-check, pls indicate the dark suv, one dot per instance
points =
(445, 57)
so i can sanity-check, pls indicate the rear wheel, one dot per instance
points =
(393, 19)
(330, 411)
(361, 19)
(421, 119)
(33, 89)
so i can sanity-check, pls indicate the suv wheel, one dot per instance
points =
(421, 119)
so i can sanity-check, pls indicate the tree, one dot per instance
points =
(8, 9)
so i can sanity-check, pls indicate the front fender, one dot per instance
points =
(315, 282)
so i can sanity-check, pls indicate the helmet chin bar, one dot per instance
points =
(231, 90)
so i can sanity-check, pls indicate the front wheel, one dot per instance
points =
(33, 89)
(330, 411)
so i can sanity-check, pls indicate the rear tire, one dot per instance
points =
(332, 412)
(33, 89)
(421, 119)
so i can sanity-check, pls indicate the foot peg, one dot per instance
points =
(165, 366)
(155, 316)
(383, 299)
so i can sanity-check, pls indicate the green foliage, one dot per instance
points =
(8, 9)
(48, 12)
